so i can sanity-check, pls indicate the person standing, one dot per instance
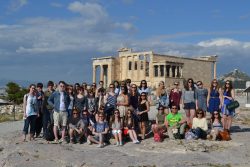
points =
(39, 120)
(47, 109)
(122, 101)
(175, 96)
(201, 97)
(80, 101)
(163, 98)
(30, 109)
(60, 101)
(214, 99)
(188, 100)
(228, 97)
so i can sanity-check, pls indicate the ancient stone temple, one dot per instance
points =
(154, 68)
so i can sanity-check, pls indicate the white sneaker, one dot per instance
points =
(99, 146)
(89, 142)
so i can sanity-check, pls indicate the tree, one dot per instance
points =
(15, 92)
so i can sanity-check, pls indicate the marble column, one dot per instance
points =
(176, 72)
(101, 73)
(181, 72)
(215, 66)
(94, 74)
(170, 71)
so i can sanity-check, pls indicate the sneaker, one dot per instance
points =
(120, 144)
(89, 142)
(117, 144)
(61, 141)
(137, 142)
(99, 146)
(55, 141)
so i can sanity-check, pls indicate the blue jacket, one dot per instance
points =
(54, 100)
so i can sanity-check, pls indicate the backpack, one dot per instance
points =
(163, 101)
(190, 135)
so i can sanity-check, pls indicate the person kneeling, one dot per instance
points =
(117, 126)
(100, 130)
(199, 126)
(76, 127)
(175, 124)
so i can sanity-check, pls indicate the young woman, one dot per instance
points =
(201, 96)
(117, 88)
(159, 126)
(129, 127)
(85, 89)
(30, 109)
(122, 101)
(143, 88)
(214, 99)
(91, 105)
(188, 100)
(70, 92)
(110, 102)
(80, 100)
(216, 125)
(228, 97)
(175, 96)
(117, 125)
(143, 109)
(162, 96)
(200, 124)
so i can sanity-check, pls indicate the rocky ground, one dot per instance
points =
(179, 153)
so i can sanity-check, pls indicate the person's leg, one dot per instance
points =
(32, 126)
(26, 128)
(224, 122)
(71, 135)
(229, 122)
(182, 129)
(45, 122)
(134, 135)
(187, 111)
(131, 135)
(170, 133)
(92, 139)
(101, 138)
(120, 137)
(192, 114)
(166, 111)
(56, 124)
(64, 118)
(143, 128)
(116, 137)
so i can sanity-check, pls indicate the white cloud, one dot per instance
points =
(56, 4)
(219, 42)
(16, 5)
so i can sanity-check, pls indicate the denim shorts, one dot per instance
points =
(189, 106)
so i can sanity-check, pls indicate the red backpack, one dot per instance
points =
(158, 137)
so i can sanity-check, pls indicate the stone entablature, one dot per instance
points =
(153, 67)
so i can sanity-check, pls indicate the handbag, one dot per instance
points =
(233, 105)
(224, 135)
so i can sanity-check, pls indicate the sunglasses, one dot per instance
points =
(143, 95)
(133, 87)
(190, 82)
(111, 87)
(176, 84)
(75, 113)
(116, 112)
(101, 116)
(143, 83)
(216, 113)
(200, 113)
(62, 86)
(174, 108)
(227, 83)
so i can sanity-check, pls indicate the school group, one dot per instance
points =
(93, 114)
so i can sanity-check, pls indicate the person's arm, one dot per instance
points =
(221, 98)
(51, 99)
(183, 120)
(205, 125)
(24, 106)
(156, 120)
(196, 99)
(166, 122)
(194, 124)
(126, 103)
(208, 97)
(71, 126)
(106, 129)
(233, 94)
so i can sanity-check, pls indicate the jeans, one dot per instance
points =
(29, 121)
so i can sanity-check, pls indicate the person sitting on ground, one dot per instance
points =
(175, 123)
(199, 124)
(159, 126)
(76, 127)
(217, 126)
(100, 130)
(129, 127)
(117, 125)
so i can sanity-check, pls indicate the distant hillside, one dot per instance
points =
(238, 78)
(22, 83)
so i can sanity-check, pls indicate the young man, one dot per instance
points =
(175, 123)
(76, 127)
(47, 109)
(60, 101)
(40, 98)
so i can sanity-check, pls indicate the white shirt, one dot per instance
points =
(62, 104)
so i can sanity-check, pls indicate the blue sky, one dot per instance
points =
(56, 39)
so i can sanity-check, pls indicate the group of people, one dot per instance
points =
(94, 114)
